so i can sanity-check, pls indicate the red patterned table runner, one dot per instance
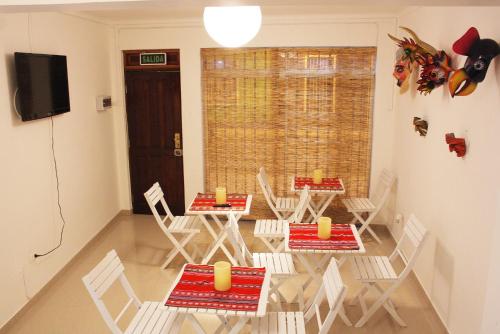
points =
(206, 202)
(196, 289)
(328, 183)
(305, 236)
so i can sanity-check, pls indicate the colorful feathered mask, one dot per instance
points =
(480, 53)
(436, 65)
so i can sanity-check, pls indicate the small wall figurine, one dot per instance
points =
(436, 65)
(479, 52)
(420, 126)
(456, 145)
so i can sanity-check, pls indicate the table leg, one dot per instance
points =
(224, 324)
(208, 227)
(324, 260)
(317, 208)
(195, 323)
(219, 241)
(239, 325)
(324, 206)
(219, 244)
(218, 222)
(312, 271)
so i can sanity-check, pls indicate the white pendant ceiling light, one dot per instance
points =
(232, 26)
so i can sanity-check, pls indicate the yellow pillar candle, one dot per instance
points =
(324, 227)
(317, 176)
(222, 276)
(220, 195)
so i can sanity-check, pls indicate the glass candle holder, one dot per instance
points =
(220, 195)
(222, 276)
(317, 176)
(324, 227)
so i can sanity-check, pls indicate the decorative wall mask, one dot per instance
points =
(456, 145)
(435, 71)
(479, 54)
(436, 65)
(420, 126)
(402, 68)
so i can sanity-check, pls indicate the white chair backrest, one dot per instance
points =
(382, 189)
(335, 291)
(153, 196)
(413, 239)
(266, 187)
(100, 279)
(301, 207)
(243, 255)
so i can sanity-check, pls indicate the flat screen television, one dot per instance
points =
(42, 85)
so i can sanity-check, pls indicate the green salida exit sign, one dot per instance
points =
(153, 58)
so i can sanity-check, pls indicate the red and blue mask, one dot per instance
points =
(480, 53)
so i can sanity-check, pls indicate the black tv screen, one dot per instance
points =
(43, 85)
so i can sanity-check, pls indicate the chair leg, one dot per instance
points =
(382, 301)
(390, 307)
(300, 297)
(365, 225)
(372, 233)
(270, 245)
(178, 248)
(344, 317)
(274, 291)
(278, 214)
(360, 293)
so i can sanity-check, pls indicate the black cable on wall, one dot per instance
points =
(58, 195)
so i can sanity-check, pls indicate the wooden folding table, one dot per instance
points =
(192, 293)
(203, 206)
(310, 247)
(324, 192)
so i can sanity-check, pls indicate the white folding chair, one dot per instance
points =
(187, 226)
(271, 231)
(149, 319)
(280, 265)
(371, 206)
(372, 270)
(281, 206)
(294, 322)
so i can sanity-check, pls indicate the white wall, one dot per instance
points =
(190, 36)
(455, 198)
(84, 145)
(491, 321)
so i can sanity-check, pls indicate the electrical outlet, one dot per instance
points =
(398, 219)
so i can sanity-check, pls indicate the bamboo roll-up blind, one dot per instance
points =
(290, 110)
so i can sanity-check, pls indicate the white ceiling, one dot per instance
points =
(126, 11)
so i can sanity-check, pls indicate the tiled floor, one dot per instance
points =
(65, 307)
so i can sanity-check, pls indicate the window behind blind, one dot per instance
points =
(290, 110)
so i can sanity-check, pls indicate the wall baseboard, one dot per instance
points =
(124, 213)
(423, 289)
(26, 307)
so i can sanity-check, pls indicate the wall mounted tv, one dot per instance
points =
(42, 82)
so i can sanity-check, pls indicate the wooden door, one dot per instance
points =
(154, 127)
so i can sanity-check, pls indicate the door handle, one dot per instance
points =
(177, 145)
(177, 140)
